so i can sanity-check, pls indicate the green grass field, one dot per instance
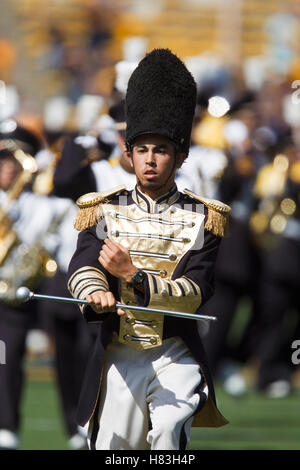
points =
(256, 422)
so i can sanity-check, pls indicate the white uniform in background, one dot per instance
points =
(36, 221)
(108, 175)
(203, 169)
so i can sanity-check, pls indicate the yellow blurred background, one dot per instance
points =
(71, 47)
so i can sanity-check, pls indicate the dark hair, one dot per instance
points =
(6, 154)
(129, 147)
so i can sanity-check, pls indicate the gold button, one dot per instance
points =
(172, 257)
(163, 273)
(153, 340)
(131, 321)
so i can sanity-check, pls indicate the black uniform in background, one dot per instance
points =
(279, 300)
(72, 177)
(15, 323)
(236, 269)
(73, 339)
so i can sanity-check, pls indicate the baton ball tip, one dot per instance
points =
(23, 294)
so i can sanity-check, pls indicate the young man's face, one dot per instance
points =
(154, 161)
(9, 169)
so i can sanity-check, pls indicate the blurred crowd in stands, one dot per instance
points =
(245, 152)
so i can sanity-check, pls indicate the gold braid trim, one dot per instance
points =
(218, 214)
(87, 217)
(89, 205)
(217, 223)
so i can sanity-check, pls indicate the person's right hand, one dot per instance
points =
(102, 302)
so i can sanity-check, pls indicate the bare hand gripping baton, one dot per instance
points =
(23, 294)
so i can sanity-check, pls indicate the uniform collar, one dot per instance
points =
(158, 205)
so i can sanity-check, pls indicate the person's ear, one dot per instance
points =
(180, 157)
(129, 156)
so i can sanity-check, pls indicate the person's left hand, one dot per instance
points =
(116, 260)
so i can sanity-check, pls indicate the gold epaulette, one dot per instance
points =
(89, 212)
(218, 214)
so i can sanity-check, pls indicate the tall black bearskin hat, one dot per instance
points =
(161, 99)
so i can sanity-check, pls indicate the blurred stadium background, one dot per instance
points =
(70, 48)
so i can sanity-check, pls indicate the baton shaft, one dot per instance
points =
(191, 316)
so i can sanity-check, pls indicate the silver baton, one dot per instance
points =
(23, 294)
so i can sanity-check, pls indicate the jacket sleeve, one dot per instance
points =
(86, 275)
(72, 178)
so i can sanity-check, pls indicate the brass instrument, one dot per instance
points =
(19, 263)
(7, 236)
(269, 221)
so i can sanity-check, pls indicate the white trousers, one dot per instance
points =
(148, 398)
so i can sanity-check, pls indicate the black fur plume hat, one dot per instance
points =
(161, 99)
